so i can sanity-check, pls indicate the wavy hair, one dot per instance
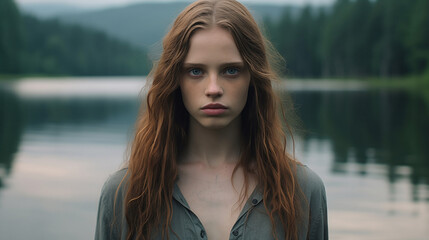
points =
(162, 127)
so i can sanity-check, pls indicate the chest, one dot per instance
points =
(215, 200)
(216, 206)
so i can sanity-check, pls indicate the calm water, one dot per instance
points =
(59, 140)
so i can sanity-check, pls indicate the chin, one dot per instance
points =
(215, 124)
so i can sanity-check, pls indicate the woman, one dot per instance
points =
(209, 159)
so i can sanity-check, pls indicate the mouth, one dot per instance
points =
(214, 109)
(214, 106)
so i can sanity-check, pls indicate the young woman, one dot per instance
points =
(209, 159)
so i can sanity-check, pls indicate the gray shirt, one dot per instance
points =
(252, 223)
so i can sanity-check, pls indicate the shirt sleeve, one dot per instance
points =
(316, 212)
(109, 224)
(318, 215)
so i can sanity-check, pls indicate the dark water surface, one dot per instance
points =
(59, 141)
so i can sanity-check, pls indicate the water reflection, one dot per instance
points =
(11, 128)
(367, 129)
(81, 111)
(46, 116)
(371, 132)
(56, 150)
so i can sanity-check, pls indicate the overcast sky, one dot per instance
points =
(103, 3)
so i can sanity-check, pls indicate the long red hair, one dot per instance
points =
(162, 127)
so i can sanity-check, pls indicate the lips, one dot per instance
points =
(214, 106)
(214, 109)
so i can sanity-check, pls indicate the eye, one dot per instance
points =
(195, 72)
(232, 71)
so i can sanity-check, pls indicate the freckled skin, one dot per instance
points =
(213, 72)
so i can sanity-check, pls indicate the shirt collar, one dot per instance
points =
(254, 199)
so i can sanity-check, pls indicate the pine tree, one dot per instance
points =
(10, 30)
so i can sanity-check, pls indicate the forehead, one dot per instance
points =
(213, 45)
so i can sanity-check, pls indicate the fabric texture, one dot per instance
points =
(252, 223)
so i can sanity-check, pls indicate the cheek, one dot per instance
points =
(242, 95)
(187, 95)
(245, 89)
(183, 89)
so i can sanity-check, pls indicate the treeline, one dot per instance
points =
(351, 38)
(354, 38)
(32, 46)
(53, 48)
(9, 37)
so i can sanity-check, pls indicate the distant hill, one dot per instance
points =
(140, 24)
(360, 38)
(145, 24)
(50, 10)
(51, 47)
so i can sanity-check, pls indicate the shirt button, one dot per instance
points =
(255, 201)
(235, 233)
(202, 233)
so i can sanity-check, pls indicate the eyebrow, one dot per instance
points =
(222, 65)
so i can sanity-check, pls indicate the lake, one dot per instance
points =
(61, 138)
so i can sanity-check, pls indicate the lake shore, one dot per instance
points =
(418, 83)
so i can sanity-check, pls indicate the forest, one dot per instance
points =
(30, 46)
(349, 39)
(354, 38)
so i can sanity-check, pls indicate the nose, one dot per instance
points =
(213, 88)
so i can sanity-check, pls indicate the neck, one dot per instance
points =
(213, 147)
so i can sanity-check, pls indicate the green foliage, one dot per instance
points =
(417, 39)
(32, 46)
(54, 48)
(351, 38)
(9, 37)
(355, 38)
(296, 39)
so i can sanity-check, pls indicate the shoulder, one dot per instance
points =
(110, 217)
(311, 184)
(315, 199)
(113, 181)
(110, 187)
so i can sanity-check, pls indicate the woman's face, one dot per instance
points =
(215, 80)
